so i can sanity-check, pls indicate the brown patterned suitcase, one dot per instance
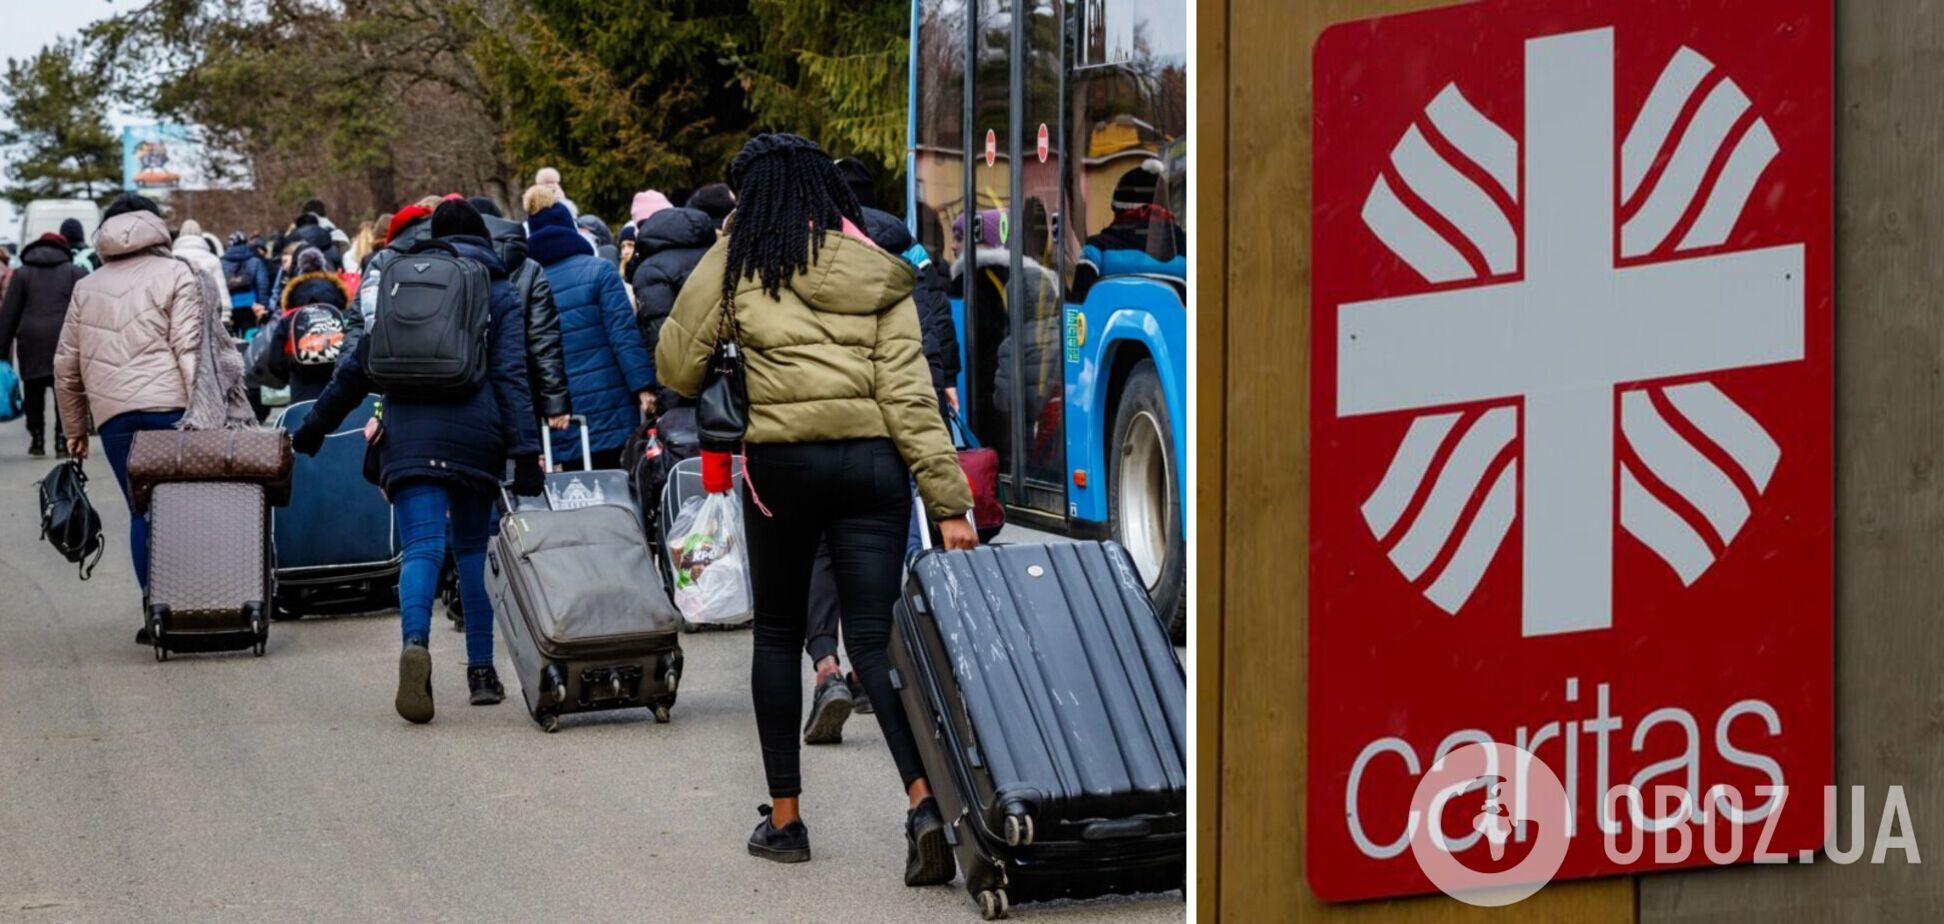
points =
(262, 456)
(209, 567)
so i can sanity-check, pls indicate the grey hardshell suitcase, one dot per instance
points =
(1050, 710)
(209, 567)
(582, 611)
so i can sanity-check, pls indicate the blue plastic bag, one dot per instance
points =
(12, 400)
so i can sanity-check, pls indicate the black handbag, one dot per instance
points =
(722, 409)
(68, 520)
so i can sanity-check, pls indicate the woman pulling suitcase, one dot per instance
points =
(441, 459)
(841, 416)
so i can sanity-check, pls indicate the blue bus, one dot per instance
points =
(1050, 177)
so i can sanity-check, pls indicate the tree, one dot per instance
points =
(66, 147)
(619, 96)
(833, 71)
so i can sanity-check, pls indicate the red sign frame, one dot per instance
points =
(1750, 619)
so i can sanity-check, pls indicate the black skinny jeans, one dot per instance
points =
(854, 495)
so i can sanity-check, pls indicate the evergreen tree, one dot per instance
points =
(60, 129)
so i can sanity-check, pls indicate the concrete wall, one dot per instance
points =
(1252, 316)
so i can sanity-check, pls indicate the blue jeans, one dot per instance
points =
(424, 509)
(117, 436)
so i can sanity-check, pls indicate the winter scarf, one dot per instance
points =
(216, 398)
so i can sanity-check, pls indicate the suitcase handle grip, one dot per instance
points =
(578, 421)
(1116, 830)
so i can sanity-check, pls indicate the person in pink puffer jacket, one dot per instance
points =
(128, 353)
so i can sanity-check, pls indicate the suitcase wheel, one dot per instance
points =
(549, 722)
(993, 905)
(158, 618)
(661, 715)
(1019, 829)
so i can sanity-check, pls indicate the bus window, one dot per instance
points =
(938, 164)
(1130, 110)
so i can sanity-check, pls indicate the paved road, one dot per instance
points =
(285, 788)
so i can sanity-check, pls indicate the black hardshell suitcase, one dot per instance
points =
(1051, 712)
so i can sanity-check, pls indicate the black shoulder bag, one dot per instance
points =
(722, 409)
(68, 520)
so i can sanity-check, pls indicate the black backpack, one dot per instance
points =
(429, 336)
(68, 520)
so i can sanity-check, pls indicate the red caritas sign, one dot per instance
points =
(1571, 424)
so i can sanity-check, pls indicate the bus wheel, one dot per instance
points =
(1144, 484)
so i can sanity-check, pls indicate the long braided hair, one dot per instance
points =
(788, 195)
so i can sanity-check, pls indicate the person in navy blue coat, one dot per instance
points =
(610, 375)
(441, 463)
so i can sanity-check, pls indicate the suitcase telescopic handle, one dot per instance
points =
(924, 520)
(587, 448)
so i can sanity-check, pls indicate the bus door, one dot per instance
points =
(1011, 282)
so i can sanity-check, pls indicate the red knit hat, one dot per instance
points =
(404, 217)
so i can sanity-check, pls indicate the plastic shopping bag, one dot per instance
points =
(711, 562)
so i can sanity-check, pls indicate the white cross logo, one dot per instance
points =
(1566, 336)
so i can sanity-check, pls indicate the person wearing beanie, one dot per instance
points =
(609, 374)
(841, 413)
(31, 316)
(340, 242)
(1143, 239)
(76, 236)
(143, 349)
(440, 463)
(716, 200)
(647, 202)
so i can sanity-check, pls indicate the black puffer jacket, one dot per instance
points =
(934, 304)
(546, 358)
(667, 246)
(37, 304)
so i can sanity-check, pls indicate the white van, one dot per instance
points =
(43, 216)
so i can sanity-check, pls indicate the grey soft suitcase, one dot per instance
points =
(582, 613)
(209, 567)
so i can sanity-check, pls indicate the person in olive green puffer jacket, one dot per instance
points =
(836, 354)
(842, 415)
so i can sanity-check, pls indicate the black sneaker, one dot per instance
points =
(860, 697)
(485, 684)
(414, 701)
(791, 844)
(36, 446)
(829, 709)
(928, 858)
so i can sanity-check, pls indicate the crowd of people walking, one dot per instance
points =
(137, 327)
